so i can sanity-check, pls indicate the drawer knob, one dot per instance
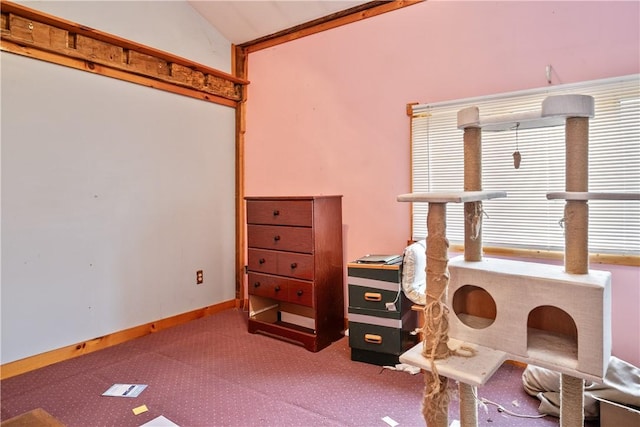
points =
(299, 292)
(373, 339)
(276, 212)
(294, 265)
(372, 296)
(277, 288)
(262, 261)
(276, 238)
(256, 284)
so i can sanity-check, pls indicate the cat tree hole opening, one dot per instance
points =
(474, 306)
(552, 334)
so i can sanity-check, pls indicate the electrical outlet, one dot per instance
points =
(199, 277)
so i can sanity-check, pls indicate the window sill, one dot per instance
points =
(613, 259)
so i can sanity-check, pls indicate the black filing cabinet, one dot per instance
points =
(381, 322)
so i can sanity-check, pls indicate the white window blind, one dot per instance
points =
(526, 219)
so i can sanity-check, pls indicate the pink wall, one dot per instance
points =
(326, 113)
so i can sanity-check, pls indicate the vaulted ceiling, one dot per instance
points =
(241, 21)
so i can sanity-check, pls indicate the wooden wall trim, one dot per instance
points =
(354, 14)
(31, 33)
(239, 61)
(27, 364)
(95, 68)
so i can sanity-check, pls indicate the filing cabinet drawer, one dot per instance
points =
(391, 274)
(380, 335)
(376, 337)
(371, 288)
(280, 212)
(292, 239)
(373, 301)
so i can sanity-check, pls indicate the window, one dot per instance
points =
(526, 219)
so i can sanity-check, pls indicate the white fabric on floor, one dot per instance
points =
(621, 385)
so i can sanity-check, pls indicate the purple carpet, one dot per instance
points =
(212, 372)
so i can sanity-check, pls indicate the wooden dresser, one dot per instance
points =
(295, 268)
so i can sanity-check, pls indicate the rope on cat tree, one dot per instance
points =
(435, 404)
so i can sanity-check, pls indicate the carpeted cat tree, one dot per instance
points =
(469, 348)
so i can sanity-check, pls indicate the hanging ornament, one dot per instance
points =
(516, 154)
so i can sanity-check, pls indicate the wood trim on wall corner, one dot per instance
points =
(37, 35)
(27, 364)
(239, 61)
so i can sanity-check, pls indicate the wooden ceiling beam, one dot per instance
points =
(348, 16)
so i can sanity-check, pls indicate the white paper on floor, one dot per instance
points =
(125, 390)
(390, 421)
(160, 421)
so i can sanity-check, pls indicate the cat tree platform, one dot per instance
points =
(451, 197)
(588, 195)
(554, 111)
(475, 371)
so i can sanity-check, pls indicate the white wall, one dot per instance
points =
(113, 194)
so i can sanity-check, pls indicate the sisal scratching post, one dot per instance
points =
(577, 211)
(435, 405)
(472, 247)
(472, 182)
(572, 401)
(468, 405)
(576, 218)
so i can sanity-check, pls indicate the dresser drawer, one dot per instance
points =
(280, 288)
(299, 266)
(268, 286)
(301, 292)
(262, 261)
(280, 212)
(281, 238)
